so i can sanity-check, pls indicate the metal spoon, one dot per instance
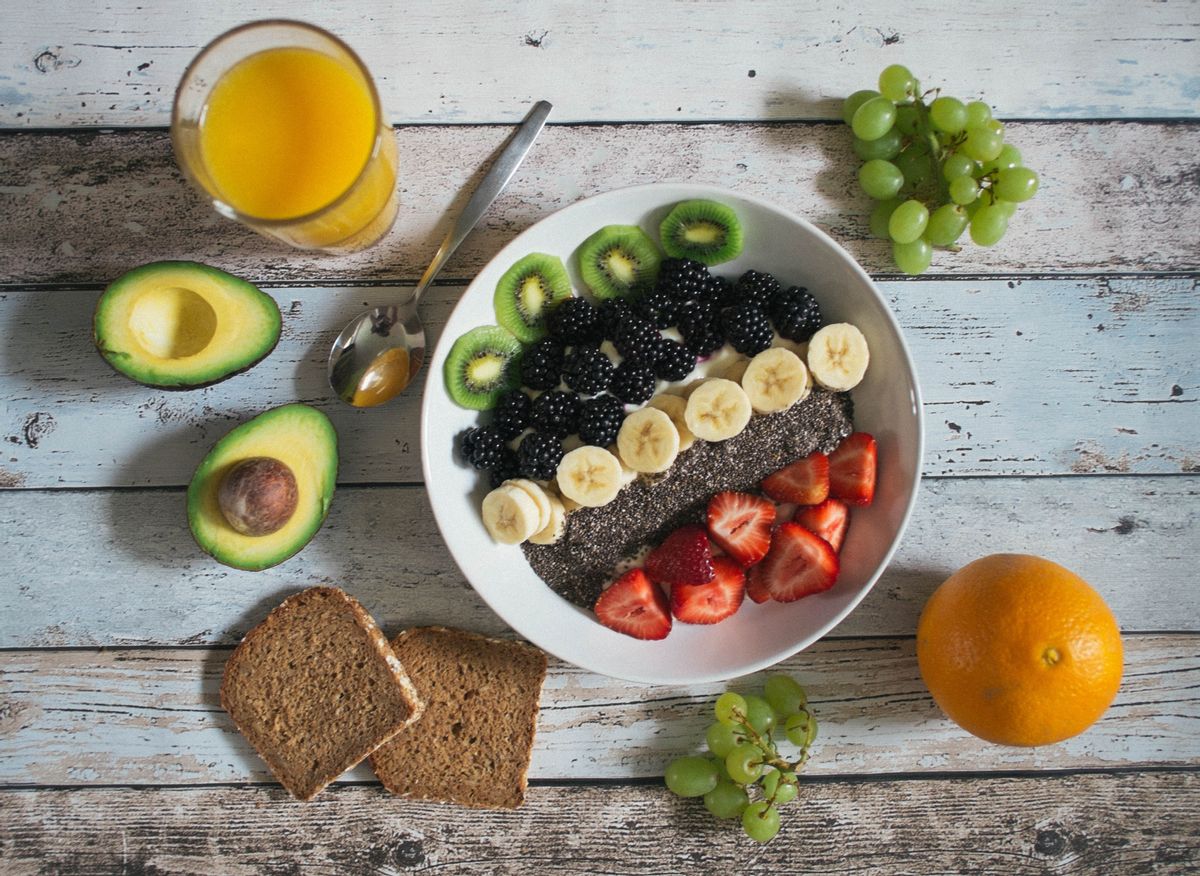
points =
(379, 352)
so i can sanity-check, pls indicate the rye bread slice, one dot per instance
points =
(473, 744)
(315, 688)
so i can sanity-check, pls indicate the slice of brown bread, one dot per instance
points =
(315, 688)
(473, 744)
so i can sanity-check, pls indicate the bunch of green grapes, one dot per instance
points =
(746, 777)
(935, 168)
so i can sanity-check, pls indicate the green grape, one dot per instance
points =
(978, 113)
(744, 763)
(723, 738)
(914, 163)
(1010, 156)
(982, 144)
(913, 257)
(1008, 208)
(1013, 184)
(957, 165)
(854, 101)
(781, 786)
(908, 221)
(948, 114)
(964, 190)
(691, 776)
(801, 728)
(726, 705)
(874, 118)
(988, 225)
(888, 146)
(880, 179)
(880, 216)
(906, 119)
(897, 83)
(726, 800)
(946, 224)
(759, 714)
(760, 821)
(996, 127)
(785, 694)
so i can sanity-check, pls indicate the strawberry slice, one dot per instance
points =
(805, 481)
(711, 602)
(828, 520)
(756, 585)
(636, 606)
(798, 564)
(741, 525)
(685, 557)
(852, 469)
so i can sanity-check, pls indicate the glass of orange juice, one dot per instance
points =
(278, 124)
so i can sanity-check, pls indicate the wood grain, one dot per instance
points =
(151, 717)
(1126, 823)
(487, 61)
(89, 205)
(1104, 367)
(99, 568)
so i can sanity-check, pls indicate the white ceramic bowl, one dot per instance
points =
(887, 404)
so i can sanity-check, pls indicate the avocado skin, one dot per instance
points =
(205, 518)
(124, 363)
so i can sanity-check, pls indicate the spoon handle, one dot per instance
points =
(493, 183)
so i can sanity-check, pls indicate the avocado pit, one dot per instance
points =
(258, 496)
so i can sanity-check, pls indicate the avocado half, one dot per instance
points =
(180, 325)
(297, 435)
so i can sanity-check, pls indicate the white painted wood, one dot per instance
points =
(87, 206)
(150, 717)
(1039, 824)
(67, 64)
(1104, 368)
(120, 568)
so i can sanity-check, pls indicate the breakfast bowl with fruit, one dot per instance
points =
(672, 434)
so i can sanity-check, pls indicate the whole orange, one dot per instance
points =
(1019, 651)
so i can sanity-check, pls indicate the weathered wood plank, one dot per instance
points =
(87, 206)
(96, 568)
(149, 716)
(486, 61)
(1105, 368)
(1128, 823)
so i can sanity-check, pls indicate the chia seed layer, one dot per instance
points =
(597, 540)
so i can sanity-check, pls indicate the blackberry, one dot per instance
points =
(747, 328)
(637, 340)
(556, 413)
(511, 414)
(506, 469)
(659, 308)
(587, 370)
(576, 321)
(675, 361)
(755, 288)
(600, 420)
(612, 312)
(719, 290)
(700, 325)
(795, 313)
(633, 383)
(542, 364)
(482, 447)
(683, 279)
(538, 456)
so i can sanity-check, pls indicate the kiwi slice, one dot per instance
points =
(618, 260)
(705, 231)
(482, 365)
(527, 292)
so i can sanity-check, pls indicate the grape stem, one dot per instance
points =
(767, 746)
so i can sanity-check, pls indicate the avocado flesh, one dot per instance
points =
(179, 325)
(300, 437)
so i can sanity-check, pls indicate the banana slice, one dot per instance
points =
(553, 530)
(838, 356)
(674, 406)
(510, 514)
(589, 475)
(539, 496)
(775, 380)
(735, 369)
(648, 441)
(717, 410)
(685, 391)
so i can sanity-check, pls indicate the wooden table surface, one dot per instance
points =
(1059, 373)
